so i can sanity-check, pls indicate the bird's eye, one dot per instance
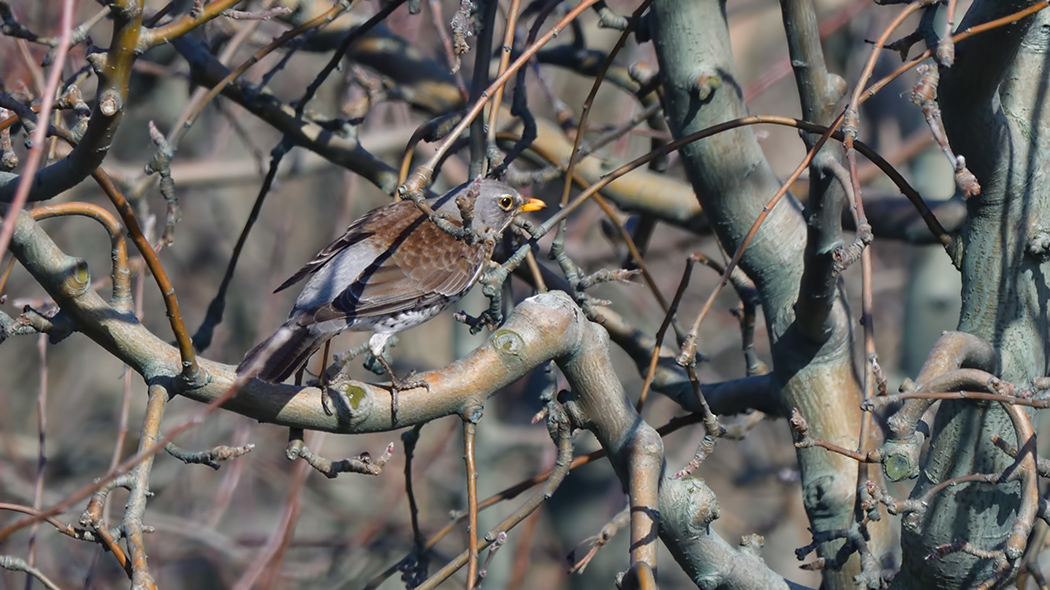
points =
(506, 202)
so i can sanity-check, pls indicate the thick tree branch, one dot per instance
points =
(733, 181)
(995, 112)
(545, 327)
(819, 92)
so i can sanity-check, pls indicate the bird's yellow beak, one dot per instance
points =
(533, 205)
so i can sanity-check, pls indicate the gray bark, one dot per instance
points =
(995, 113)
(733, 182)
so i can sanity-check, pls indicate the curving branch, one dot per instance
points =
(733, 182)
(114, 71)
(546, 327)
(426, 84)
(819, 92)
(183, 25)
(121, 274)
(339, 148)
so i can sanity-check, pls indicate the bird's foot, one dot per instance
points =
(326, 401)
(407, 383)
(398, 385)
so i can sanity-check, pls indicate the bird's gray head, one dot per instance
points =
(496, 206)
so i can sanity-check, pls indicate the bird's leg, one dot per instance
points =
(393, 387)
(322, 381)
(376, 345)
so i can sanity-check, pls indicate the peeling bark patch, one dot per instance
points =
(1037, 40)
(508, 342)
(79, 279)
(1038, 245)
(824, 496)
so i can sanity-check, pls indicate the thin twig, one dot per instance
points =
(517, 489)
(414, 186)
(683, 283)
(271, 556)
(320, 21)
(143, 454)
(415, 574)
(217, 307)
(36, 152)
(17, 564)
(561, 431)
(41, 462)
(504, 59)
(191, 376)
(469, 430)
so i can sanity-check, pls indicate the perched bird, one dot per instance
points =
(391, 270)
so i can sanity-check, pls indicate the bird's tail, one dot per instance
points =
(281, 355)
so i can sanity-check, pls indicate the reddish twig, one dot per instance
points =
(121, 272)
(585, 112)
(969, 32)
(688, 350)
(504, 60)
(269, 559)
(191, 373)
(181, 26)
(41, 425)
(522, 558)
(469, 429)
(687, 272)
(36, 152)
(561, 431)
(145, 453)
(946, 47)
(782, 69)
(414, 186)
(320, 21)
(598, 541)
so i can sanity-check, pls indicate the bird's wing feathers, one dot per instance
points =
(403, 278)
(406, 278)
(360, 230)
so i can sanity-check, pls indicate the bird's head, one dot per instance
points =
(496, 206)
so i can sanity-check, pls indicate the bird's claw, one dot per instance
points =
(326, 401)
(407, 383)
(398, 385)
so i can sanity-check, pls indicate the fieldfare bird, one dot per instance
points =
(392, 269)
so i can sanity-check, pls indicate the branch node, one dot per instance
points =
(363, 463)
(210, 457)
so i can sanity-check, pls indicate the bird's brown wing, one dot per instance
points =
(361, 229)
(424, 267)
